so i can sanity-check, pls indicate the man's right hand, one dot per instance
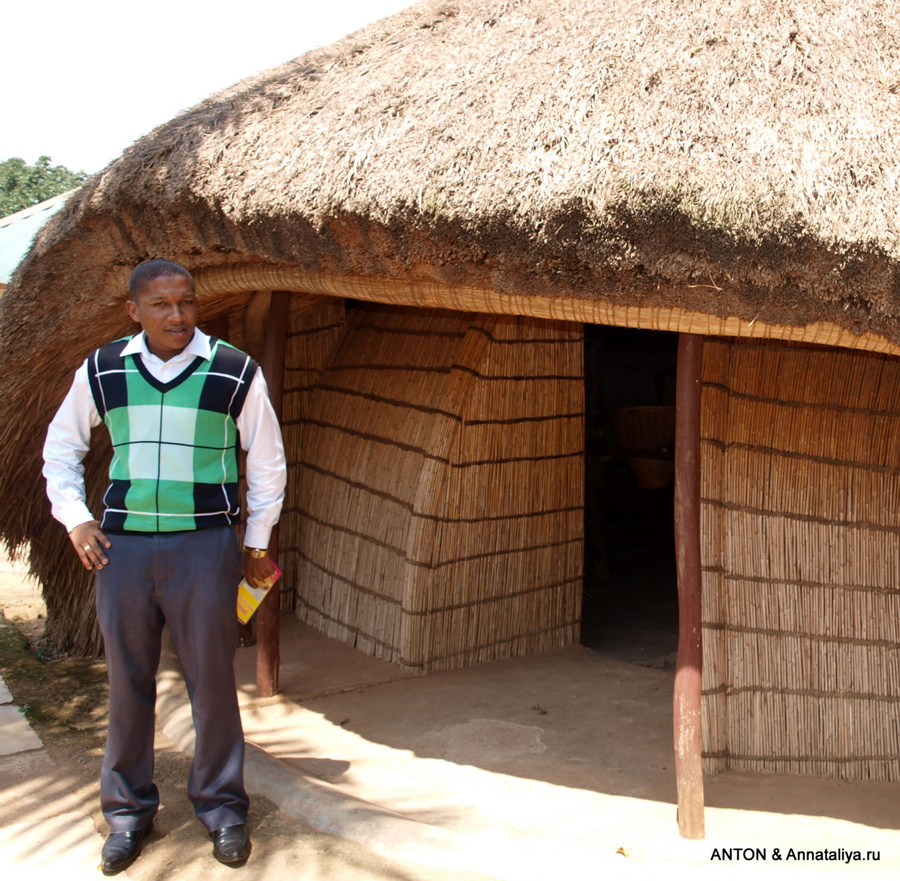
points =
(90, 543)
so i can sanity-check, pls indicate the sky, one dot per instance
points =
(83, 80)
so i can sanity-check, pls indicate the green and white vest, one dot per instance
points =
(175, 444)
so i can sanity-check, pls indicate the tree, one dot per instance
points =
(24, 185)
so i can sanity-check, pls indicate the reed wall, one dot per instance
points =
(311, 340)
(314, 327)
(440, 491)
(801, 553)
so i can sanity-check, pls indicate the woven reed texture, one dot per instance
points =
(220, 280)
(441, 487)
(314, 326)
(311, 340)
(801, 606)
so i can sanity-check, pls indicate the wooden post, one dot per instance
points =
(220, 327)
(268, 651)
(688, 667)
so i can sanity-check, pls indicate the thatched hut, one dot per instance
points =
(479, 179)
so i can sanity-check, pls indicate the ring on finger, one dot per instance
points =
(86, 548)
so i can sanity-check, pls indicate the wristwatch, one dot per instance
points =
(257, 553)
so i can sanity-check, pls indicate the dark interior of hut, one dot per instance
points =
(630, 605)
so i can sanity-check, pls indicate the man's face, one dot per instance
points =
(166, 308)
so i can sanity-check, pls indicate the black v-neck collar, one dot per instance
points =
(171, 384)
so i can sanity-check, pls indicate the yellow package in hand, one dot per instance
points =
(250, 597)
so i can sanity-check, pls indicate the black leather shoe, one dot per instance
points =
(121, 849)
(231, 845)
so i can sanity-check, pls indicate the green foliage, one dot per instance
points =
(24, 185)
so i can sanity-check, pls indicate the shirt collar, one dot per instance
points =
(199, 345)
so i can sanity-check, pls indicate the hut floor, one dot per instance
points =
(630, 609)
(543, 764)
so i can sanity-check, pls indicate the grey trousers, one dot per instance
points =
(187, 580)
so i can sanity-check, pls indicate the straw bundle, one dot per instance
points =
(801, 482)
(441, 488)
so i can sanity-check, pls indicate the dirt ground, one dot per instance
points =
(64, 699)
(527, 765)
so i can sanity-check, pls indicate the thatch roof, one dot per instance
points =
(736, 159)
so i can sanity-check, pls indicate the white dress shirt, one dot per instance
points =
(69, 439)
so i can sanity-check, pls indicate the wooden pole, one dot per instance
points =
(688, 667)
(268, 651)
(220, 327)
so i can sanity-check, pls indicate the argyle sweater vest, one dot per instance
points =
(175, 444)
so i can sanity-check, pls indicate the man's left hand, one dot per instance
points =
(257, 570)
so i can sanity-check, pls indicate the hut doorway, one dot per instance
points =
(630, 601)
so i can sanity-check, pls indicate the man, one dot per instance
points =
(175, 403)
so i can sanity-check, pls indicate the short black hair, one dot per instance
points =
(150, 270)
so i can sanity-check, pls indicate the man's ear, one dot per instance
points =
(132, 310)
